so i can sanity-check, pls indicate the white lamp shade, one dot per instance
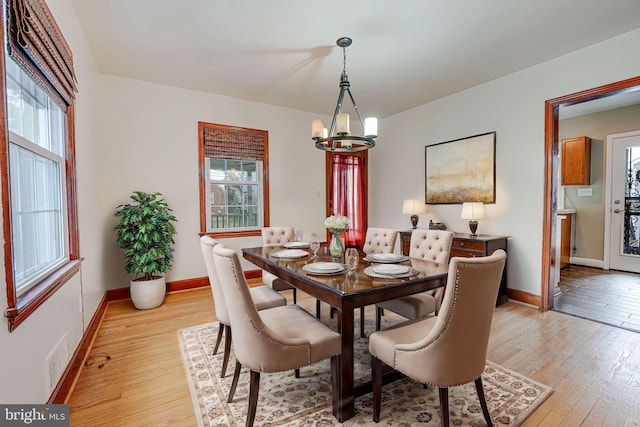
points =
(472, 210)
(342, 123)
(370, 126)
(413, 206)
(316, 128)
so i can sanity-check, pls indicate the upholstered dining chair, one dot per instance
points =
(449, 349)
(275, 340)
(433, 245)
(277, 236)
(262, 296)
(377, 241)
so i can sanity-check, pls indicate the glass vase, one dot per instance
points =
(336, 245)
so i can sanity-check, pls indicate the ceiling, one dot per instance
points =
(283, 52)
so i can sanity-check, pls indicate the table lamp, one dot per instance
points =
(414, 207)
(472, 211)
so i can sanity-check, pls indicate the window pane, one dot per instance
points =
(32, 114)
(36, 214)
(234, 196)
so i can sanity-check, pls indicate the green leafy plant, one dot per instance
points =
(145, 232)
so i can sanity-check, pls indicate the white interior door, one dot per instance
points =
(624, 201)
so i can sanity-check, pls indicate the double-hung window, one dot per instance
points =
(37, 136)
(233, 190)
(37, 158)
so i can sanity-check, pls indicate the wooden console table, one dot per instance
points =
(466, 246)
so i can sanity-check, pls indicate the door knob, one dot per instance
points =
(617, 211)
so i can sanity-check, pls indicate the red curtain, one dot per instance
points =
(348, 195)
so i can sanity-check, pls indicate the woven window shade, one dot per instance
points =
(37, 46)
(234, 143)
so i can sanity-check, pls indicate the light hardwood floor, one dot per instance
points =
(594, 368)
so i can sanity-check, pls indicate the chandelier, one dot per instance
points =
(338, 137)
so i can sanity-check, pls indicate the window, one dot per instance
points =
(37, 131)
(37, 165)
(233, 186)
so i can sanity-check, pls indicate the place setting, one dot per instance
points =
(296, 245)
(290, 254)
(390, 271)
(386, 258)
(324, 268)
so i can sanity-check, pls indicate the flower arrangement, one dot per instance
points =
(337, 224)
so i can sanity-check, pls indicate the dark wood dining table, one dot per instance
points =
(346, 292)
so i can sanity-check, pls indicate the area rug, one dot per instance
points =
(306, 401)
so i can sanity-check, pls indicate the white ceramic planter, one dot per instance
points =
(148, 294)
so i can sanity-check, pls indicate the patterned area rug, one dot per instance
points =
(306, 401)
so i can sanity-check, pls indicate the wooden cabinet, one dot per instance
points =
(576, 161)
(466, 246)
(565, 240)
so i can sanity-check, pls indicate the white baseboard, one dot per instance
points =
(587, 262)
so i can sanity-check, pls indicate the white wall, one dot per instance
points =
(514, 107)
(149, 137)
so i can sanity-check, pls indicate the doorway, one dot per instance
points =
(549, 258)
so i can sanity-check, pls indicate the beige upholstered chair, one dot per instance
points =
(448, 349)
(277, 236)
(377, 241)
(433, 245)
(275, 340)
(261, 296)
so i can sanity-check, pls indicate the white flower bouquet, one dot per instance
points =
(337, 224)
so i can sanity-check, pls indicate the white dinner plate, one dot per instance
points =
(371, 272)
(296, 245)
(391, 269)
(323, 268)
(386, 258)
(290, 253)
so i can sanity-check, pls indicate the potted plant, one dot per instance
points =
(145, 232)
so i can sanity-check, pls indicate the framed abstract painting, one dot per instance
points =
(461, 170)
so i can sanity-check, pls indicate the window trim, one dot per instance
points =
(203, 180)
(20, 308)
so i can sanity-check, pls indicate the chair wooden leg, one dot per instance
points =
(483, 402)
(296, 372)
(318, 308)
(444, 406)
(234, 382)
(378, 318)
(295, 296)
(362, 335)
(227, 351)
(254, 387)
(218, 338)
(376, 384)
